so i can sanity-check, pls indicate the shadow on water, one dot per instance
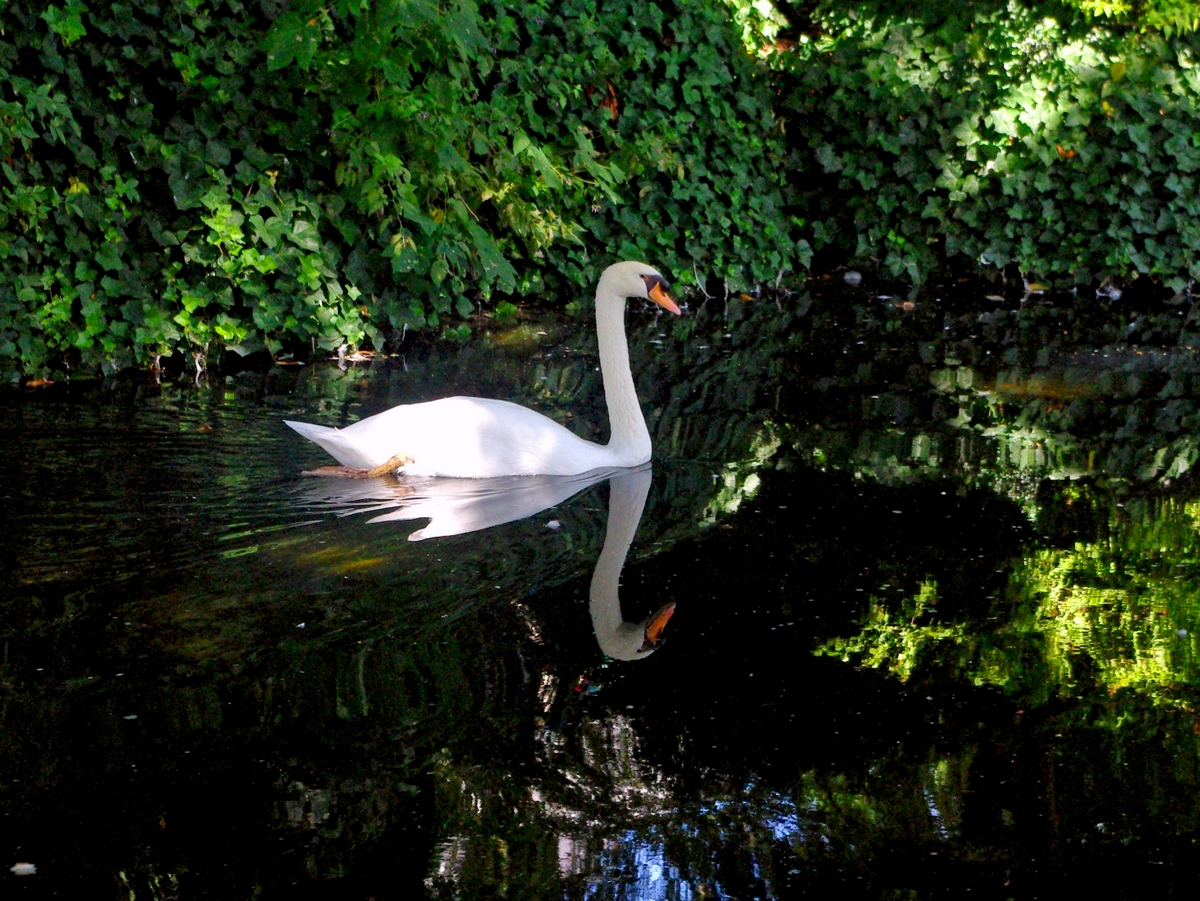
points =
(935, 582)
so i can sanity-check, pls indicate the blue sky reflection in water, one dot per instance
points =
(936, 597)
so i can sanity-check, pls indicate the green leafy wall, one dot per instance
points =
(998, 134)
(183, 177)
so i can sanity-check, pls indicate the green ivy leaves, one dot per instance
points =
(1001, 136)
(180, 177)
(66, 23)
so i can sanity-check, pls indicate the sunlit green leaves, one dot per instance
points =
(295, 36)
(1026, 139)
(1168, 16)
(66, 23)
(310, 180)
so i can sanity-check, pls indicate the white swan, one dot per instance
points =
(474, 437)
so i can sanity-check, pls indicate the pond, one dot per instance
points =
(935, 576)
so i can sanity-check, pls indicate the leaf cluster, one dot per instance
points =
(184, 177)
(1000, 136)
(1168, 16)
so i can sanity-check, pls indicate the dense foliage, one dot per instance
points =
(183, 177)
(998, 135)
(1168, 16)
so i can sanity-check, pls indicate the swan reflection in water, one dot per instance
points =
(458, 506)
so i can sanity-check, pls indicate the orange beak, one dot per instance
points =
(660, 297)
(656, 624)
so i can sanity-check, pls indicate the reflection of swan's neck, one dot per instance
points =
(626, 500)
(629, 433)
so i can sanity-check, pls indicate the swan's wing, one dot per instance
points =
(474, 437)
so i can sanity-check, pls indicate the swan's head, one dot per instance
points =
(632, 279)
(635, 641)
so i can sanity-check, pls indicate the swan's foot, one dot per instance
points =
(352, 472)
(390, 466)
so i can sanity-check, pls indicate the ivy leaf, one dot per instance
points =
(496, 269)
(296, 36)
(66, 23)
(268, 231)
(305, 235)
(109, 255)
(545, 169)
(217, 153)
(804, 253)
(462, 20)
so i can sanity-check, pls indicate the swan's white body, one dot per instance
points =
(474, 437)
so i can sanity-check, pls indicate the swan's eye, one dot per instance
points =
(652, 280)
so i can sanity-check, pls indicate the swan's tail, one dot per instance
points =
(336, 443)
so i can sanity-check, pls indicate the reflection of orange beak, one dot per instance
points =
(656, 624)
(660, 297)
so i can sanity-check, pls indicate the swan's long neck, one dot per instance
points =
(626, 500)
(630, 438)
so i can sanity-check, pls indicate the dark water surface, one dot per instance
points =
(937, 588)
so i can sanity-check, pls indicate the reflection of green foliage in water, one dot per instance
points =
(598, 811)
(1120, 612)
(537, 837)
(1017, 395)
(864, 816)
(739, 481)
(1035, 417)
(895, 640)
